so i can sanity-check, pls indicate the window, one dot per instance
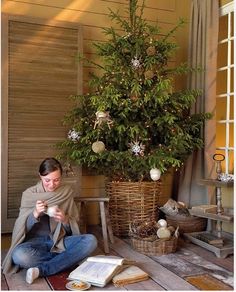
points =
(225, 88)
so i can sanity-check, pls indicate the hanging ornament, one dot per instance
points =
(68, 169)
(102, 117)
(149, 74)
(73, 135)
(137, 148)
(136, 63)
(98, 147)
(155, 174)
(125, 50)
(151, 51)
(134, 97)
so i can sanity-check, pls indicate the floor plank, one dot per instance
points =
(227, 263)
(209, 267)
(186, 263)
(17, 282)
(144, 285)
(162, 276)
(167, 272)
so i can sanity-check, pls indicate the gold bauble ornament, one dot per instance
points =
(151, 51)
(149, 74)
(98, 147)
(134, 97)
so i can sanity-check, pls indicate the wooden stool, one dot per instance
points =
(104, 213)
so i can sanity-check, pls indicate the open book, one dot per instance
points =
(99, 270)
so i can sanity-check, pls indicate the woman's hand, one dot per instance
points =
(40, 207)
(60, 216)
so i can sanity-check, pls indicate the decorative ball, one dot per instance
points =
(163, 232)
(162, 223)
(98, 147)
(52, 210)
(155, 174)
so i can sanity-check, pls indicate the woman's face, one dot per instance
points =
(51, 181)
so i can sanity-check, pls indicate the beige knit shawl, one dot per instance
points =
(63, 197)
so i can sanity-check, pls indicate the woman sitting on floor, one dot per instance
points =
(43, 244)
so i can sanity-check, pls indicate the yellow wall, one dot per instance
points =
(93, 16)
(223, 2)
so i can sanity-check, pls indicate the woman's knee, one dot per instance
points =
(92, 241)
(86, 242)
(21, 257)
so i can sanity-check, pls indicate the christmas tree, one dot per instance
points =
(132, 121)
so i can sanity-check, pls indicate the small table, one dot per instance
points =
(220, 211)
(219, 217)
(104, 214)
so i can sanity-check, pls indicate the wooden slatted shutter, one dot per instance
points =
(40, 72)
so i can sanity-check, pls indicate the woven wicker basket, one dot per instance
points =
(156, 247)
(131, 201)
(187, 224)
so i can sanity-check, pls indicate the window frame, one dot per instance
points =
(228, 9)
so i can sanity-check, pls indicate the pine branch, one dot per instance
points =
(122, 22)
(134, 93)
(132, 12)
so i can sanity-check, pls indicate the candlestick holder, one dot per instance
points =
(218, 158)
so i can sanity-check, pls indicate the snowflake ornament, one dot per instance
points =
(137, 148)
(73, 135)
(136, 63)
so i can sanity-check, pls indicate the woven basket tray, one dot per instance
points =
(187, 224)
(131, 201)
(156, 247)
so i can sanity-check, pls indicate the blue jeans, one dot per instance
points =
(36, 253)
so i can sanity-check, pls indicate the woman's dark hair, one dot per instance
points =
(49, 165)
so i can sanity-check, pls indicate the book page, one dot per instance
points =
(106, 259)
(94, 272)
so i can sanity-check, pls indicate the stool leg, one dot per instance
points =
(83, 217)
(109, 227)
(104, 227)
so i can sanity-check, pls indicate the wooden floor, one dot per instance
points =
(167, 272)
